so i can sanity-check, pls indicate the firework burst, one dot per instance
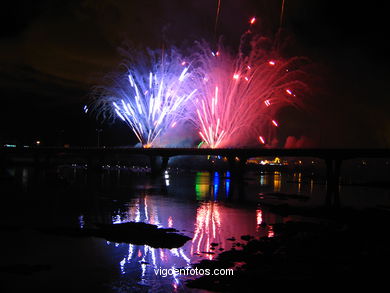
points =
(149, 96)
(239, 95)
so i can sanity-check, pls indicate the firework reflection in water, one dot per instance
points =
(240, 95)
(149, 96)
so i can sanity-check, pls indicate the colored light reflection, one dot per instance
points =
(259, 216)
(271, 232)
(207, 222)
(170, 222)
(202, 185)
(211, 185)
(311, 186)
(227, 184)
(299, 182)
(166, 176)
(277, 181)
(264, 179)
(144, 257)
(216, 184)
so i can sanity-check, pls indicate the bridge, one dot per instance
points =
(225, 152)
(237, 157)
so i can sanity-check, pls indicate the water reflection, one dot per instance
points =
(166, 177)
(202, 185)
(143, 258)
(209, 222)
(293, 183)
(25, 176)
(212, 225)
(259, 217)
(264, 178)
(81, 221)
(212, 185)
(216, 185)
(199, 204)
(227, 184)
(311, 185)
(277, 181)
(299, 182)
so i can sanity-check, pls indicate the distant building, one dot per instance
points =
(262, 161)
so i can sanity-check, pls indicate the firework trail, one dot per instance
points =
(239, 95)
(149, 96)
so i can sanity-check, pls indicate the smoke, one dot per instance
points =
(299, 142)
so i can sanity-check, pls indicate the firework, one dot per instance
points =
(150, 95)
(239, 95)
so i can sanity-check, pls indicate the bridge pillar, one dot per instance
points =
(333, 166)
(242, 164)
(3, 164)
(232, 164)
(164, 162)
(95, 164)
(237, 167)
(237, 170)
(41, 161)
(153, 164)
(158, 163)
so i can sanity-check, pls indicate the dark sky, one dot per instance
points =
(52, 52)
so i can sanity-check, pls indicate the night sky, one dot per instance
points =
(53, 52)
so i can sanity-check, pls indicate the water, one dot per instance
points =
(208, 206)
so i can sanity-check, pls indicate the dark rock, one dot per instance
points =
(140, 234)
(307, 252)
(246, 237)
(131, 232)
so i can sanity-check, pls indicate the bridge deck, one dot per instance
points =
(340, 154)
